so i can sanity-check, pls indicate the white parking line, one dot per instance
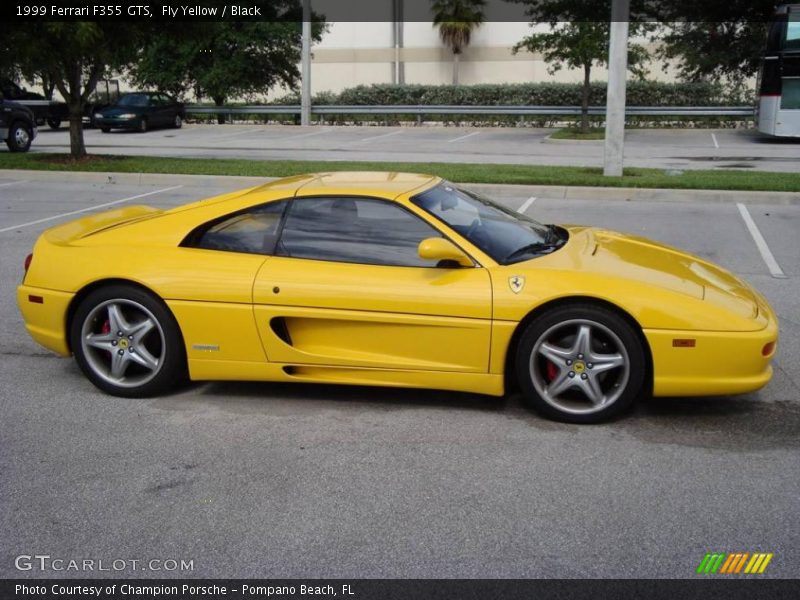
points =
(90, 208)
(289, 138)
(714, 139)
(526, 205)
(230, 135)
(772, 264)
(463, 137)
(377, 137)
(7, 183)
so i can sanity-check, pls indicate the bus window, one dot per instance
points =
(790, 95)
(793, 33)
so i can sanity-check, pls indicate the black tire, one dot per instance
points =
(19, 137)
(163, 342)
(558, 332)
(143, 125)
(54, 123)
(177, 122)
(105, 129)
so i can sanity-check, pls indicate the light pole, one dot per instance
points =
(615, 97)
(305, 91)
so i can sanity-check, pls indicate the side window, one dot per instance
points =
(354, 230)
(253, 231)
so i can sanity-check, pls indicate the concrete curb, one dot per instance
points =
(641, 194)
(555, 192)
(551, 140)
(128, 178)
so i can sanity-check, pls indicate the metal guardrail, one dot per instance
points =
(420, 110)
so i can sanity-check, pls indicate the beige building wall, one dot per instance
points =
(353, 54)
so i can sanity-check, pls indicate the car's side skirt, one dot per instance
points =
(215, 370)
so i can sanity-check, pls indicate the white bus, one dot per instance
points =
(779, 89)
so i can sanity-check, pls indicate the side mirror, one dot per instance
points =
(443, 250)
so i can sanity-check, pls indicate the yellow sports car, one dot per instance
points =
(391, 279)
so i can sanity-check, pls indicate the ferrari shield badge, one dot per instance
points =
(516, 283)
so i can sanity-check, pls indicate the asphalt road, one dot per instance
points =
(267, 480)
(656, 148)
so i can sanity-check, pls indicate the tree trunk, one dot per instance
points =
(219, 101)
(455, 68)
(587, 72)
(48, 87)
(77, 147)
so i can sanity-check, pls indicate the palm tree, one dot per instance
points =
(456, 19)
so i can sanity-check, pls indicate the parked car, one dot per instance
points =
(17, 126)
(391, 279)
(45, 111)
(106, 93)
(141, 111)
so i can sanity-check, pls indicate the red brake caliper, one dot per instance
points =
(552, 371)
(106, 328)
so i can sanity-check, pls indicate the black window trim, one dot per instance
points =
(192, 238)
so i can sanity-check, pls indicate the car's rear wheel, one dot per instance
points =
(177, 123)
(127, 342)
(19, 137)
(580, 363)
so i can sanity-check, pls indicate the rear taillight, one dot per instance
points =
(28, 261)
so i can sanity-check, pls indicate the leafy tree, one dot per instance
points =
(579, 45)
(225, 59)
(578, 38)
(72, 57)
(456, 20)
(727, 47)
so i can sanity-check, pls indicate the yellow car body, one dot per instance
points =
(707, 332)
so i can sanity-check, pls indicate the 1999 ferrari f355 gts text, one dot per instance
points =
(391, 279)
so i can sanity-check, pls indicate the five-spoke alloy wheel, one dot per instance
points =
(580, 363)
(127, 342)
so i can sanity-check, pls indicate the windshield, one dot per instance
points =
(133, 100)
(505, 235)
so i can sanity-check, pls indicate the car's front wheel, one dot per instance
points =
(19, 137)
(143, 125)
(127, 342)
(580, 363)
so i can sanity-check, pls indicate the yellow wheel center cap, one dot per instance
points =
(579, 367)
(123, 343)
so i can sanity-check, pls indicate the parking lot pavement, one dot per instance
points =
(656, 148)
(249, 479)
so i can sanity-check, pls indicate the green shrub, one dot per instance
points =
(640, 93)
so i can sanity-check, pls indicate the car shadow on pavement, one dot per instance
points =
(743, 423)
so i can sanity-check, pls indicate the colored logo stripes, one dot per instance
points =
(734, 563)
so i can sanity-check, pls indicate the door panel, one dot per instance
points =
(344, 314)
